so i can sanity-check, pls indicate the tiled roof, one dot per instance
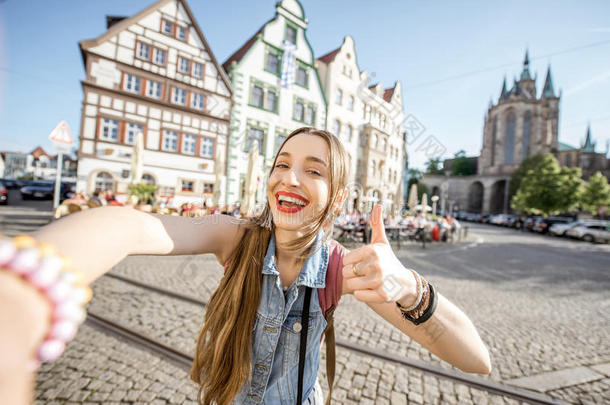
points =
(388, 93)
(329, 57)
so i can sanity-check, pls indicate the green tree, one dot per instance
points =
(515, 179)
(461, 165)
(434, 166)
(144, 191)
(548, 189)
(596, 193)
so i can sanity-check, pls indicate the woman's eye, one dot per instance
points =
(280, 165)
(315, 172)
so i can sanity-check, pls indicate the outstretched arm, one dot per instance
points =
(375, 276)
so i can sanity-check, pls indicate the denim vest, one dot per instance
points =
(276, 333)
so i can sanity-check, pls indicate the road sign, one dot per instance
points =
(61, 137)
(62, 141)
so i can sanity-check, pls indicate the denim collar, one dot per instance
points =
(313, 272)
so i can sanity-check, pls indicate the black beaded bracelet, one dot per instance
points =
(427, 313)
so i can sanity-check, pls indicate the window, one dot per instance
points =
(337, 128)
(167, 27)
(339, 98)
(132, 83)
(527, 129)
(207, 147)
(257, 96)
(255, 135)
(143, 51)
(154, 89)
(170, 141)
(181, 33)
(310, 114)
(509, 139)
(148, 179)
(197, 69)
(104, 181)
(272, 64)
(208, 188)
(160, 56)
(197, 101)
(279, 140)
(291, 34)
(350, 103)
(187, 185)
(348, 133)
(131, 131)
(110, 130)
(271, 101)
(179, 96)
(184, 65)
(301, 77)
(189, 143)
(298, 111)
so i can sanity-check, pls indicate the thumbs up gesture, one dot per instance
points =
(374, 273)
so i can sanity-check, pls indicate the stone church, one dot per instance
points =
(521, 123)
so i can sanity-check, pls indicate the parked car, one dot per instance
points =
(3, 194)
(542, 225)
(591, 233)
(9, 183)
(497, 219)
(560, 229)
(45, 190)
(531, 221)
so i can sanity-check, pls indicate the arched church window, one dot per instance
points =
(509, 139)
(493, 141)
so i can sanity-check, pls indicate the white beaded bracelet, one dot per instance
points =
(52, 275)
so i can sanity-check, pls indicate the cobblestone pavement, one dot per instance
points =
(518, 289)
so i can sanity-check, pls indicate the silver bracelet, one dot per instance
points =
(420, 293)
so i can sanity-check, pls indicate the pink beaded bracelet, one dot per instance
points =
(52, 275)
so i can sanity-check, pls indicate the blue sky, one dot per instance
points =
(450, 56)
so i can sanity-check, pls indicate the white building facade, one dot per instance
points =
(264, 111)
(368, 120)
(154, 73)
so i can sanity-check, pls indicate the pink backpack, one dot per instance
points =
(328, 298)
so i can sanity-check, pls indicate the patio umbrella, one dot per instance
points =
(219, 167)
(412, 197)
(251, 180)
(424, 200)
(137, 162)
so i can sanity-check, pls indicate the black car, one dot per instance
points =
(542, 225)
(44, 190)
(3, 194)
(9, 183)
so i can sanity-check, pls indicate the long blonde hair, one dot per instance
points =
(223, 356)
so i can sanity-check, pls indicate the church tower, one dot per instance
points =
(520, 124)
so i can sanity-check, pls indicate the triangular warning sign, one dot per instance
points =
(61, 134)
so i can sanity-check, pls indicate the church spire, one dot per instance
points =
(503, 92)
(525, 74)
(589, 146)
(548, 91)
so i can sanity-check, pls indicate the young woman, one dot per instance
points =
(248, 349)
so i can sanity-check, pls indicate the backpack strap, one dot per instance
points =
(329, 297)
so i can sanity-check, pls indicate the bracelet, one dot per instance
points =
(427, 313)
(420, 293)
(52, 275)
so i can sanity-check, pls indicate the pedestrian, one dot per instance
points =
(249, 349)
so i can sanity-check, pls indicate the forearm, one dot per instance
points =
(97, 239)
(451, 336)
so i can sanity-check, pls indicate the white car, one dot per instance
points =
(561, 229)
(591, 233)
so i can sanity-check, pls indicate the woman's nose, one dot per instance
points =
(290, 177)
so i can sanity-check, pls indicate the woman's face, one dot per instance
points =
(298, 188)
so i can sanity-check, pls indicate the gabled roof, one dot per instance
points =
(123, 24)
(388, 93)
(38, 152)
(241, 52)
(329, 57)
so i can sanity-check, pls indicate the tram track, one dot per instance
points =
(185, 360)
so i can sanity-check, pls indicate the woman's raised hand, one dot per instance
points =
(373, 272)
